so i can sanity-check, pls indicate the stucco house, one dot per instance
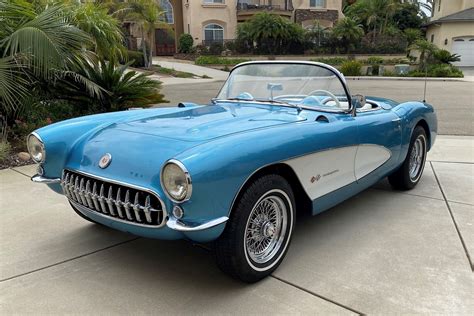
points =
(452, 28)
(210, 21)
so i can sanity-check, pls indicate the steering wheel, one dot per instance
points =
(332, 96)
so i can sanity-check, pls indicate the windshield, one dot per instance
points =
(305, 85)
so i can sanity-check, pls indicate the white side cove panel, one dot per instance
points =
(325, 171)
(369, 157)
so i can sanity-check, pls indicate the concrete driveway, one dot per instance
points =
(380, 252)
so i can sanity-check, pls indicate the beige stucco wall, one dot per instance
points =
(449, 7)
(330, 4)
(197, 15)
(449, 31)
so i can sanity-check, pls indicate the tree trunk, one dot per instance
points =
(145, 55)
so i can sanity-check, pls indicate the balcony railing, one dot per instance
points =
(247, 5)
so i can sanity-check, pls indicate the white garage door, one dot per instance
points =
(464, 46)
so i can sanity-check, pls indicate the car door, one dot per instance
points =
(330, 166)
(379, 133)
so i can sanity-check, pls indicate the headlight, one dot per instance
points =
(176, 181)
(36, 148)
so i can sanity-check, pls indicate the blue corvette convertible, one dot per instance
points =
(280, 138)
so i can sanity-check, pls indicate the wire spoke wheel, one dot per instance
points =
(417, 156)
(266, 228)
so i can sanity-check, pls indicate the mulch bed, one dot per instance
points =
(13, 160)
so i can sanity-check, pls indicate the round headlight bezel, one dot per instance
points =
(188, 181)
(33, 151)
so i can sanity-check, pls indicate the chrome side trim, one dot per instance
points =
(40, 179)
(84, 210)
(183, 226)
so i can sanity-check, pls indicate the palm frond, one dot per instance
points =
(13, 85)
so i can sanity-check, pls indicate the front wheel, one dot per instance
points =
(259, 230)
(409, 173)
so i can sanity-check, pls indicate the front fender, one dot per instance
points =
(221, 167)
(411, 115)
(60, 138)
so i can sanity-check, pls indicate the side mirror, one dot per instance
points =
(358, 101)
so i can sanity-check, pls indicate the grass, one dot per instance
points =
(176, 73)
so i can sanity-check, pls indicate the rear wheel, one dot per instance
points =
(409, 173)
(259, 230)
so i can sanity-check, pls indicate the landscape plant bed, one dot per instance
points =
(13, 159)
(176, 73)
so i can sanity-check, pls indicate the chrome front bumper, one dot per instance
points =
(183, 226)
(40, 179)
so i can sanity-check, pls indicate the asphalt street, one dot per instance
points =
(453, 100)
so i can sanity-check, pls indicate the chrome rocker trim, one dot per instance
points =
(40, 179)
(182, 226)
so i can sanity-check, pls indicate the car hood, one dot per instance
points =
(204, 123)
(140, 145)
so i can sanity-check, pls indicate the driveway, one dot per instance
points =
(380, 252)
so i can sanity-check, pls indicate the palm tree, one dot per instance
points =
(348, 31)
(146, 14)
(375, 14)
(34, 46)
(426, 49)
(95, 20)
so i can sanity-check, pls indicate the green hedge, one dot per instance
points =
(216, 60)
(351, 68)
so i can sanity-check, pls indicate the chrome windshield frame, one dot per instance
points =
(298, 62)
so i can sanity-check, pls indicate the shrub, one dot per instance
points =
(4, 150)
(216, 48)
(334, 61)
(185, 44)
(375, 60)
(136, 58)
(351, 68)
(445, 57)
(444, 70)
(216, 60)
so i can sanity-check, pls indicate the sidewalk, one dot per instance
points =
(216, 75)
(380, 252)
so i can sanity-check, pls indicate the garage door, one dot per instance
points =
(464, 46)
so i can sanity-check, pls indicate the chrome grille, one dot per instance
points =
(113, 200)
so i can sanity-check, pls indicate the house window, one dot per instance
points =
(214, 1)
(439, 5)
(432, 38)
(213, 33)
(317, 3)
(168, 15)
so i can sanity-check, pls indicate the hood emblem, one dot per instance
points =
(105, 161)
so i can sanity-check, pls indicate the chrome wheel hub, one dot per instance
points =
(417, 155)
(266, 228)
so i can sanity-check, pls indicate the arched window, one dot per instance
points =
(168, 16)
(213, 33)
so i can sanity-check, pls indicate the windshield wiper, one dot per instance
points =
(215, 100)
(299, 108)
